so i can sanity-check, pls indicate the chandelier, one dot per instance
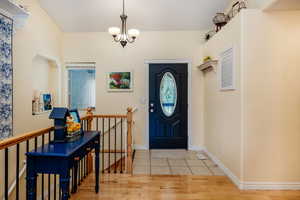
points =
(121, 35)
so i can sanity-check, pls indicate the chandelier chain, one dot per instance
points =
(123, 7)
(121, 35)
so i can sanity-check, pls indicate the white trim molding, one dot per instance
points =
(227, 171)
(250, 185)
(15, 11)
(140, 147)
(80, 65)
(196, 148)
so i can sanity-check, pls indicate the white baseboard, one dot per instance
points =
(248, 185)
(195, 148)
(140, 147)
(227, 171)
(271, 185)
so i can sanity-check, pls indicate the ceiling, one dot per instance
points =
(150, 15)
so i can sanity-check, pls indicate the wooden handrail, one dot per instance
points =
(110, 116)
(29, 135)
(23, 137)
(86, 117)
(89, 114)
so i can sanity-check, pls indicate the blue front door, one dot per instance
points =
(168, 104)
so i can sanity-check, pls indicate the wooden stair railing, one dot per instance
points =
(12, 152)
(129, 141)
(16, 147)
(116, 144)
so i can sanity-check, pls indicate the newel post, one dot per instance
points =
(129, 140)
(89, 113)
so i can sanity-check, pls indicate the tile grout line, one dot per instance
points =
(212, 173)
(188, 166)
(169, 165)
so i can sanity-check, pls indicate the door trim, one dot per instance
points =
(175, 61)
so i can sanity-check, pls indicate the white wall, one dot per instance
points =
(110, 56)
(223, 108)
(254, 131)
(42, 68)
(39, 36)
(276, 5)
(47, 79)
(272, 97)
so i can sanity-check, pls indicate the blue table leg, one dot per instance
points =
(97, 152)
(31, 180)
(64, 184)
(73, 180)
(75, 175)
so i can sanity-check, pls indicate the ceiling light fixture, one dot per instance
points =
(122, 35)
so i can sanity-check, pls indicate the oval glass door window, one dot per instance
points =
(168, 94)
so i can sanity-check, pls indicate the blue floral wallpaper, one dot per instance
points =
(6, 80)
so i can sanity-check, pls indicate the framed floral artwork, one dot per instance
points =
(6, 77)
(120, 81)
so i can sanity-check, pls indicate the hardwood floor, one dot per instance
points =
(169, 187)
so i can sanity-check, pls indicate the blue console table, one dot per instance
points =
(59, 158)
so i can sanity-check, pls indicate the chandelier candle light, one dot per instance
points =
(122, 35)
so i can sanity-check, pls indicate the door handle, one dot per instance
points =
(151, 107)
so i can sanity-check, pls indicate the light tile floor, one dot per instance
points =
(173, 162)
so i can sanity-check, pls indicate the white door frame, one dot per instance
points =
(175, 61)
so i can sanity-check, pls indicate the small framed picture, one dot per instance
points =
(120, 81)
(47, 102)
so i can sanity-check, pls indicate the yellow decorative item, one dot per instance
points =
(72, 126)
(207, 58)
